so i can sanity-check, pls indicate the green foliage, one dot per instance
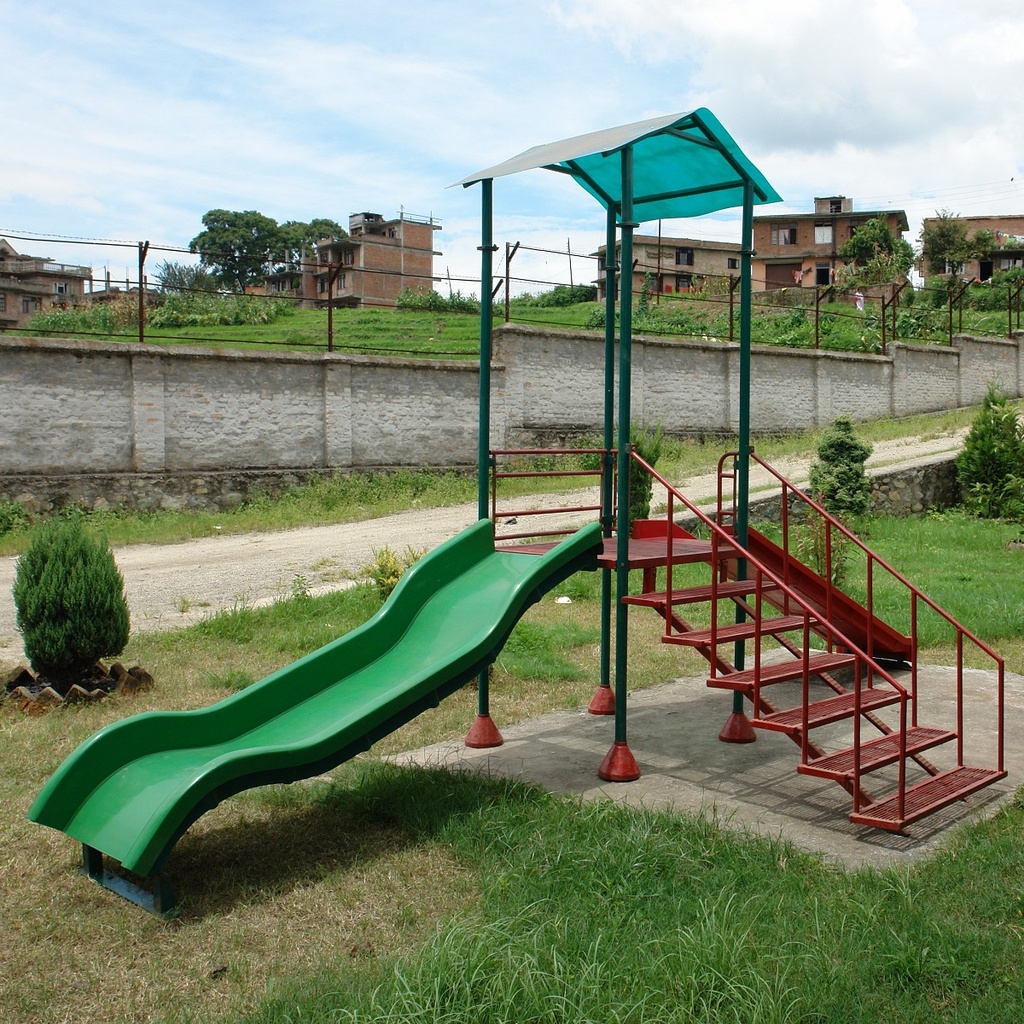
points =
(827, 551)
(195, 309)
(181, 277)
(13, 516)
(945, 245)
(838, 475)
(388, 567)
(113, 317)
(648, 443)
(875, 254)
(991, 464)
(433, 301)
(239, 247)
(69, 598)
(560, 296)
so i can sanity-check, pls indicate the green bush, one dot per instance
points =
(388, 567)
(70, 602)
(12, 516)
(434, 302)
(838, 475)
(990, 466)
(647, 442)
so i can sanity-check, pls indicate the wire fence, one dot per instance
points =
(532, 285)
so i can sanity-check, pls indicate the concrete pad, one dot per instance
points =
(673, 734)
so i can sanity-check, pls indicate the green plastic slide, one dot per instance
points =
(131, 790)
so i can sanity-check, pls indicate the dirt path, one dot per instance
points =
(176, 584)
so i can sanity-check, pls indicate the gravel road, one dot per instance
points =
(176, 584)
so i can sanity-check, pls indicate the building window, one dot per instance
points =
(684, 257)
(835, 206)
(3, 303)
(733, 263)
(822, 234)
(822, 275)
(60, 287)
(348, 257)
(783, 234)
(31, 305)
(683, 282)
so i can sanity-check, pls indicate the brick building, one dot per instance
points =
(1008, 233)
(35, 284)
(800, 250)
(675, 264)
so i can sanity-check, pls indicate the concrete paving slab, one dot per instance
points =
(673, 734)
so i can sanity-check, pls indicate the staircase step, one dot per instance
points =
(693, 595)
(927, 796)
(824, 712)
(739, 631)
(782, 671)
(875, 753)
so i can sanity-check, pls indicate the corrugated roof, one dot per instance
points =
(684, 165)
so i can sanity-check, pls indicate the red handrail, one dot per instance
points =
(915, 596)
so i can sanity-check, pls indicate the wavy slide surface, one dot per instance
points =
(133, 788)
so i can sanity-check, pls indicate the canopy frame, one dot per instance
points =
(674, 166)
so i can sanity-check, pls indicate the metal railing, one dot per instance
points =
(867, 672)
(527, 467)
(877, 572)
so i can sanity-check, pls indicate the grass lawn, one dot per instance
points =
(386, 894)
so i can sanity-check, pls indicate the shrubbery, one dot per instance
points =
(838, 475)
(991, 464)
(69, 599)
(434, 302)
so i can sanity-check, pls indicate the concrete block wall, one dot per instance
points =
(213, 423)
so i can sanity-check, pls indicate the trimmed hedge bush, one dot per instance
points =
(70, 602)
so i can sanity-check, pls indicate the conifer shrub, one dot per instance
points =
(990, 467)
(838, 476)
(648, 443)
(69, 601)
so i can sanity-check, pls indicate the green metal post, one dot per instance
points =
(619, 765)
(625, 401)
(610, 268)
(486, 272)
(483, 732)
(743, 463)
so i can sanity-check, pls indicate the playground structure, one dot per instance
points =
(687, 165)
(133, 789)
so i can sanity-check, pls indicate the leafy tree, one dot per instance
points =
(876, 254)
(297, 235)
(237, 246)
(838, 475)
(946, 247)
(991, 465)
(182, 277)
(69, 599)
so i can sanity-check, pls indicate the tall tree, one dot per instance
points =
(237, 246)
(297, 235)
(946, 247)
(876, 255)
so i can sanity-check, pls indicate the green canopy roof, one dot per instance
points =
(684, 165)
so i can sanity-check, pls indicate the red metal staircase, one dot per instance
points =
(813, 662)
(820, 658)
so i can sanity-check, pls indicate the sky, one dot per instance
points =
(129, 121)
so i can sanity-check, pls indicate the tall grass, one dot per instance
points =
(596, 913)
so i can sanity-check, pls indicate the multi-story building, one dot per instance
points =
(377, 261)
(801, 249)
(674, 264)
(35, 284)
(1008, 252)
